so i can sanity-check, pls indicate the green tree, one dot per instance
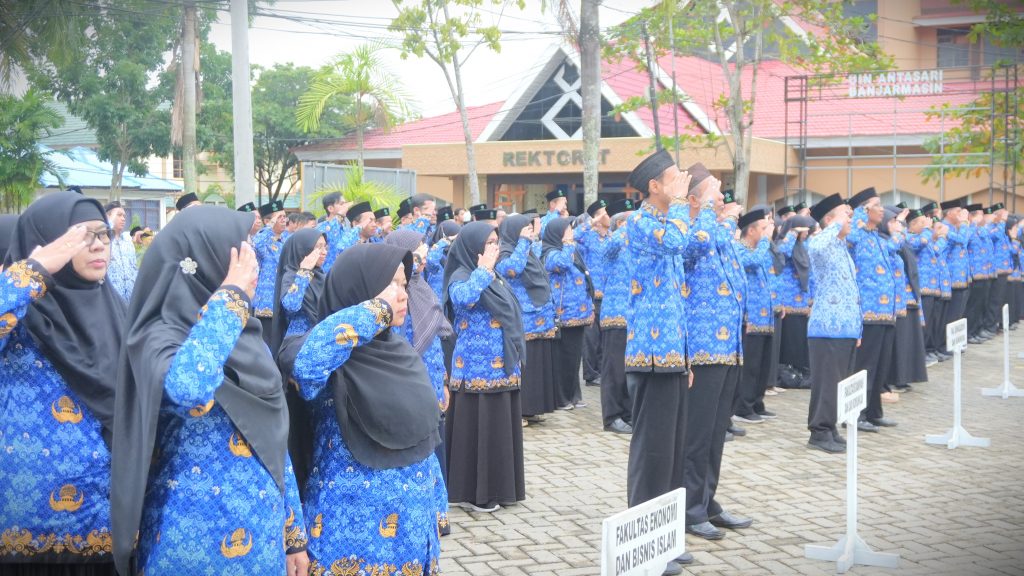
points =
(988, 130)
(364, 92)
(275, 96)
(739, 35)
(107, 83)
(437, 29)
(22, 122)
(31, 30)
(355, 188)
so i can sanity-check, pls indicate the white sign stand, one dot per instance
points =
(1007, 389)
(641, 541)
(956, 339)
(851, 549)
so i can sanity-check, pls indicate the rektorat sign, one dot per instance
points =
(643, 539)
(541, 158)
(902, 83)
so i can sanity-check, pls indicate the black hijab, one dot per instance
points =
(445, 229)
(428, 319)
(7, 223)
(551, 241)
(77, 325)
(165, 306)
(497, 298)
(801, 259)
(534, 277)
(296, 248)
(383, 399)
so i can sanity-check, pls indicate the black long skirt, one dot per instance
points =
(539, 377)
(484, 434)
(793, 346)
(909, 357)
(568, 356)
(58, 569)
(1016, 299)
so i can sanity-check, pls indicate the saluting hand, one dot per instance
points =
(390, 294)
(58, 253)
(680, 186)
(309, 262)
(489, 258)
(243, 270)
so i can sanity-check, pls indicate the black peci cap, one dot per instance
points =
(751, 217)
(862, 197)
(785, 210)
(821, 209)
(357, 210)
(553, 195)
(184, 200)
(950, 204)
(247, 207)
(381, 213)
(445, 213)
(648, 169)
(593, 208)
(487, 214)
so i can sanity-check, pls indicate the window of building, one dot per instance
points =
(147, 211)
(864, 9)
(993, 53)
(176, 170)
(954, 48)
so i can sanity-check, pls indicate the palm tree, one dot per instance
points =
(356, 188)
(32, 29)
(370, 95)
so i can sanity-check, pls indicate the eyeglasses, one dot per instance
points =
(104, 235)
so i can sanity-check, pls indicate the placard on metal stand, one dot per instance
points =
(851, 549)
(1007, 389)
(642, 540)
(956, 340)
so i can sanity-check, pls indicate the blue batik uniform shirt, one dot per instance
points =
(836, 311)
(872, 256)
(339, 235)
(268, 254)
(122, 270)
(760, 300)
(592, 246)
(656, 321)
(715, 289)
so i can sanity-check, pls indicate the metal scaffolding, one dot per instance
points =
(827, 98)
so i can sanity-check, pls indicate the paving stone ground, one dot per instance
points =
(946, 512)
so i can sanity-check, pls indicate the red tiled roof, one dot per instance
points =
(832, 115)
(445, 128)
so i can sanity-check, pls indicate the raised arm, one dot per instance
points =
(514, 265)
(295, 284)
(21, 283)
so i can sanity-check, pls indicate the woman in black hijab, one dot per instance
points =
(7, 223)
(525, 275)
(198, 384)
(60, 335)
(573, 295)
(484, 431)
(795, 291)
(297, 289)
(371, 498)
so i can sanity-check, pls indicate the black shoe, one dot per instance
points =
(943, 356)
(767, 415)
(731, 521)
(827, 445)
(882, 422)
(737, 431)
(729, 437)
(838, 438)
(619, 427)
(865, 426)
(975, 340)
(672, 569)
(987, 334)
(748, 419)
(705, 530)
(685, 559)
(902, 389)
(596, 382)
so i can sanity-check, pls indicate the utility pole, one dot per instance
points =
(654, 93)
(188, 75)
(590, 91)
(241, 100)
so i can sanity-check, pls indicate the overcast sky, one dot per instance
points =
(310, 32)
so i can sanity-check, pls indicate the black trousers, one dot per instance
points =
(592, 348)
(956, 309)
(832, 360)
(773, 365)
(570, 347)
(793, 343)
(709, 412)
(996, 299)
(659, 429)
(977, 301)
(875, 356)
(266, 323)
(754, 375)
(615, 400)
(1015, 296)
(934, 309)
